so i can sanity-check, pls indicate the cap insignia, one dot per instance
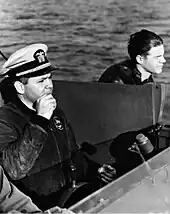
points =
(58, 124)
(39, 55)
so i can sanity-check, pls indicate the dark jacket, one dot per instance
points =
(39, 154)
(125, 73)
(12, 199)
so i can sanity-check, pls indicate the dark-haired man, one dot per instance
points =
(146, 52)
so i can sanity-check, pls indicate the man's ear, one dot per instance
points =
(139, 59)
(19, 86)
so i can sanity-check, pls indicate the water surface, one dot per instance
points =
(84, 36)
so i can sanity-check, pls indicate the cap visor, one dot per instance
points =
(41, 72)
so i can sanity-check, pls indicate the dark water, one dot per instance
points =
(84, 36)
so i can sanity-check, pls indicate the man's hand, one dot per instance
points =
(107, 173)
(45, 106)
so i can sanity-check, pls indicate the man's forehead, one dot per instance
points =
(156, 51)
(44, 76)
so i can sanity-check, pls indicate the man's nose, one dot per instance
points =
(163, 60)
(49, 83)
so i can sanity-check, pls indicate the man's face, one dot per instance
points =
(37, 87)
(154, 61)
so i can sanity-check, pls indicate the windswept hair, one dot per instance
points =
(141, 42)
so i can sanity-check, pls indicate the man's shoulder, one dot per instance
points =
(11, 116)
(7, 107)
(125, 66)
(119, 71)
(9, 112)
(6, 112)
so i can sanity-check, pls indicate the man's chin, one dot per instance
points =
(159, 71)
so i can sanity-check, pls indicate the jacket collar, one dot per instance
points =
(137, 77)
(23, 108)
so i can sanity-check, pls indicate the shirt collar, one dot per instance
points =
(145, 76)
